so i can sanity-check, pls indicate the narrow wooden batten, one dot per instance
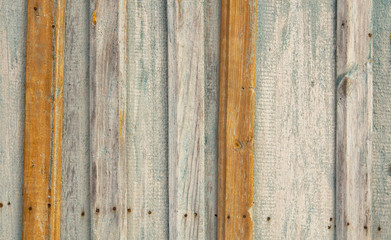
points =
(43, 119)
(236, 119)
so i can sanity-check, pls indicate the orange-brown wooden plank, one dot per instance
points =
(43, 119)
(236, 122)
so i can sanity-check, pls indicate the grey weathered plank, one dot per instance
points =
(354, 119)
(212, 57)
(12, 75)
(381, 180)
(294, 120)
(186, 79)
(147, 120)
(107, 119)
(75, 192)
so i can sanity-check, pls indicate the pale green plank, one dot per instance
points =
(75, 189)
(381, 174)
(107, 119)
(12, 75)
(294, 151)
(354, 119)
(186, 106)
(147, 120)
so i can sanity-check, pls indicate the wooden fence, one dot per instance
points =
(232, 119)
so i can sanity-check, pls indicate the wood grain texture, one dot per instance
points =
(381, 161)
(57, 120)
(186, 80)
(294, 142)
(236, 124)
(147, 120)
(75, 209)
(354, 119)
(212, 45)
(43, 119)
(107, 118)
(12, 75)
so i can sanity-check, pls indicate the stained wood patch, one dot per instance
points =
(354, 119)
(107, 119)
(43, 119)
(236, 122)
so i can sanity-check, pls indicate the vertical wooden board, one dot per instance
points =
(43, 119)
(381, 177)
(236, 114)
(107, 119)
(212, 46)
(75, 209)
(186, 69)
(354, 119)
(37, 139)
(147, 120)
(294, 164)
(12, 73)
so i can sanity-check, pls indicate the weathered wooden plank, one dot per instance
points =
(12, 73)
(43, 119)
(147, 120)
(211, 43)
(75, 209)
(236, 127)
(381, 180)
(107, 119)
(294, 139)
(354, 119)
(186, 79)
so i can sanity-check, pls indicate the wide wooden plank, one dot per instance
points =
(43, 119)
(107, 119)
(381, 180)
(75, 192)
(186, 80)
(147, 120)
(354, 119)
(212, 46)
(12, 73)
(294, 139)
(236, 124)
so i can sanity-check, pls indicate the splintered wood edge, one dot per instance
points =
(236, 119)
